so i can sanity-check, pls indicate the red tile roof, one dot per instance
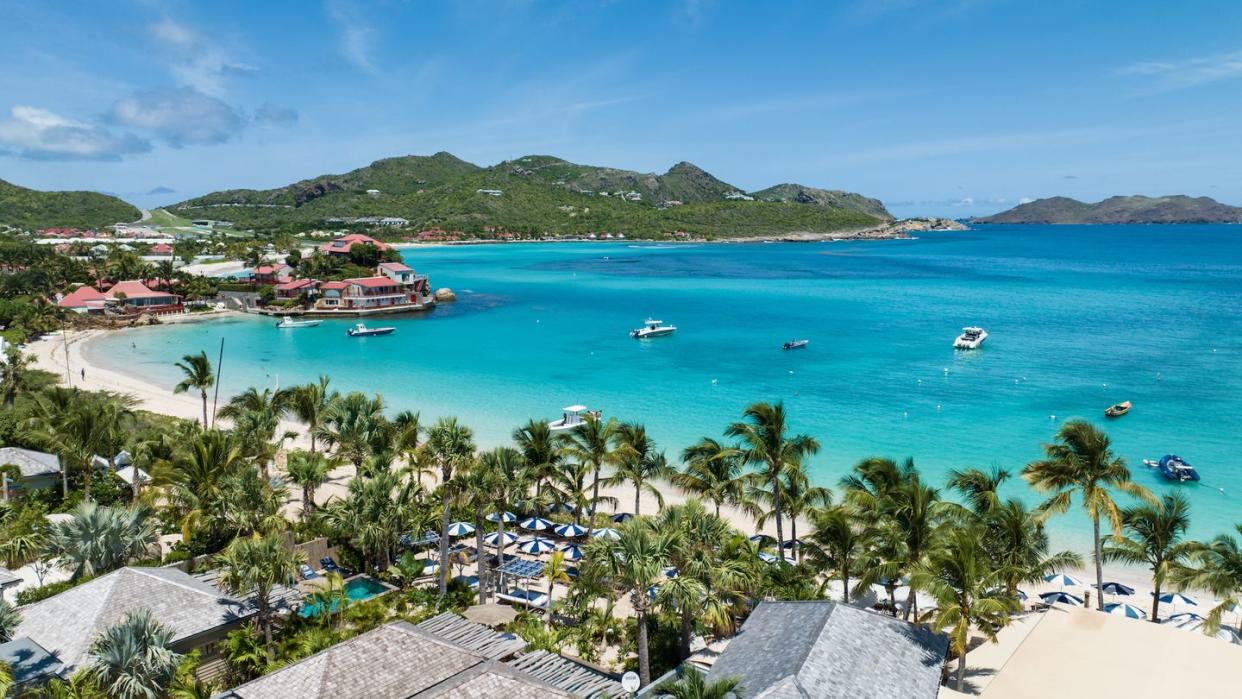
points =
(328, 286)
(396, 267)
(134, 290)
(161, 249)
(346, 243)
(271, 269)
(295, 284)
(82, 297)
(372, 282)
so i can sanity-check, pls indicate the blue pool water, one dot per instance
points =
(1080, 318)
(356, 590)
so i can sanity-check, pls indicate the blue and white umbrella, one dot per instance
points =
(573, 552)
(490, 539)
(1021, 596)
(767, 557)
(1116, 588)
(1060, 598)
(561, 507)
(1183, 617)
(535, 524)
(605, 533)
(536, 545)
(495, 517)
(763, 539)
(1062, 579)
(1176, 598)
(460, 529)
(1126, 610)
(622, 517)
(792, 544)
(570, 531)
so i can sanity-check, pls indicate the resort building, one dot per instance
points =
(276, 273)
(402, 274)
(365, 293)
(294, 289)
(161, 250)
(134, 297)
(342, 245)
(35, 470)
(825, 649)
(63, 626)
(84, 299)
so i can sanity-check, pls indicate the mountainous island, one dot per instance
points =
(546, 195)
(30, 208)
(1132, 209)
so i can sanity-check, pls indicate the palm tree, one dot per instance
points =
(638, 462)
(1155, 540)
(554, 572)
(14, 373)
(310, 403)
(198, 374)
(309, 470)
(252, 566)
(98, 538)
(451, 446)
(838, 543)
(1017, 543)
(539, 449)
(980, 488)
(693, 685)
(256, 417)
(354, 425)
(197, 478)
(712, 471)
(49, 427)
(10, 619)
(134, 659)
(590, 444)
(372, 517)
(634, 562)
(1081, 460)
(766, 445)
(799, 496)
(967, 592)
(1215, 566)
(505, 479)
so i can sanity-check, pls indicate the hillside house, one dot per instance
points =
(342, 245)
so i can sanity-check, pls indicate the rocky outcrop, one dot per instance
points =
(445, 295)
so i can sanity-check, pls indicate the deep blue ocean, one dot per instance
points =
(1080, 317)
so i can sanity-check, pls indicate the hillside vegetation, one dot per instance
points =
(31, 209)
(538, 194)
(1132, 209)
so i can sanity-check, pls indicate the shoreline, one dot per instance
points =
(49, 352)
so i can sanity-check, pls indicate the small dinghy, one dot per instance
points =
(1175, 468)
(795, 344)
(1118, 410)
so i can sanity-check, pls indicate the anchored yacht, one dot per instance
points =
(971, 338)
(653, 328)
(571, 417)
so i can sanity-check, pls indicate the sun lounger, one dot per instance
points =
(307, 572)
(471, 581)
(527, 598)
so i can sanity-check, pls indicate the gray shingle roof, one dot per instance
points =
(31, 463)
(797, 650)
(66, 624)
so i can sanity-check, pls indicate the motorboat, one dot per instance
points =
(571, 417)
(289, 322)
(1118, 410)
(795, 344)
(971, 338)
(1175, 468)
(361, 330)
(653, 328)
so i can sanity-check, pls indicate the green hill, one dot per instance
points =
(535, 194)
(802, 194)
(1132, 209)
(31, 209)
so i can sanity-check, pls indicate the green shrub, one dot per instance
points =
(33, 594)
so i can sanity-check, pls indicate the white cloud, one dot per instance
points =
(357, 36)
(1025, 200)
(40, 134)
(197, 62)
(179, 116)
(1190, 72)
(172, 32)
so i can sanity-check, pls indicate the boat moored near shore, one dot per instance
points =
(1118, 410)
(653, 328)
(361, 330)
(971, 338)
(289, 322)
(571, 417)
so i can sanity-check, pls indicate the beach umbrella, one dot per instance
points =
(1183, 617)
(536, 545)
(1194, 623)
(495, 517)
(1116, 588)
(570, 531)
(1021, 596)
(605, 533)
(767, 557)
(792, 544)
(1062, 579)
(1060, 598)
(573, 552)
(460, 529)
(1126, 610)
(1176, 598)
(535, 524)
(622, 517)
(490, 539)
(763, 539)
(561, 507)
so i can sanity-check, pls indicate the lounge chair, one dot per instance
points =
(430, 567)
(307, 572)
(471, 581)
(329, 566)
(526, 598)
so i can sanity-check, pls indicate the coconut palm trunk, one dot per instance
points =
(484, 576)
(1099, 563)
(203, 393)
(444, 525)
(644, 662)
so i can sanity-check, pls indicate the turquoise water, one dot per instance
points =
(356, 590)
(1080, 318)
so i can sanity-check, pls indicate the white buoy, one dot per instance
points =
(937, 408)
(713, 382)
(905, 415)
(1052, 417)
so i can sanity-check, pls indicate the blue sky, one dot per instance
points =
(956, 107)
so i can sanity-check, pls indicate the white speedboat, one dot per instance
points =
(571, 417)
(795, 344)
(289, 322)
(653, 328)
(971, 338)
(361, 330)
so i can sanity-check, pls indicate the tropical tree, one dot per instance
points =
(1153, 537)
(256, 417)
(713, 471)
(1215, 566)
(374, 514)
(50, 427)
(197, 477)
(309, 470)
(590, 444)
(500, 478)
(450, 446)
(10, 619)
(637, 461)
(310, 403)
(799, 496)
(554, 571)
(766, 445)
(838, 543)
(694, 685)
(968, 594)
(97, 539)
(538, 445)
(354, 425)
(1081, 461)
(14, 372)
(253, 566)
(198, 374)
(134, 659)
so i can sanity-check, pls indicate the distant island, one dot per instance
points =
(1114, 210)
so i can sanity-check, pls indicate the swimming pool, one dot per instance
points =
(357, 589)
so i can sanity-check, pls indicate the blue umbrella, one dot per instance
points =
(792, 544)
(535, 524)
(1021, 596)
(605, 533)
(570, 531)
(460, 529)
(573, 552)
(1062, 579)
(561, 507)
(1183, 617)
(1116, 588)
(622, 517)
(767, 557)
(536, 545)
(1126, 610)
(495, 517)
(1060, 598)
(490, 539)
(763, 539)
(1176, 598)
